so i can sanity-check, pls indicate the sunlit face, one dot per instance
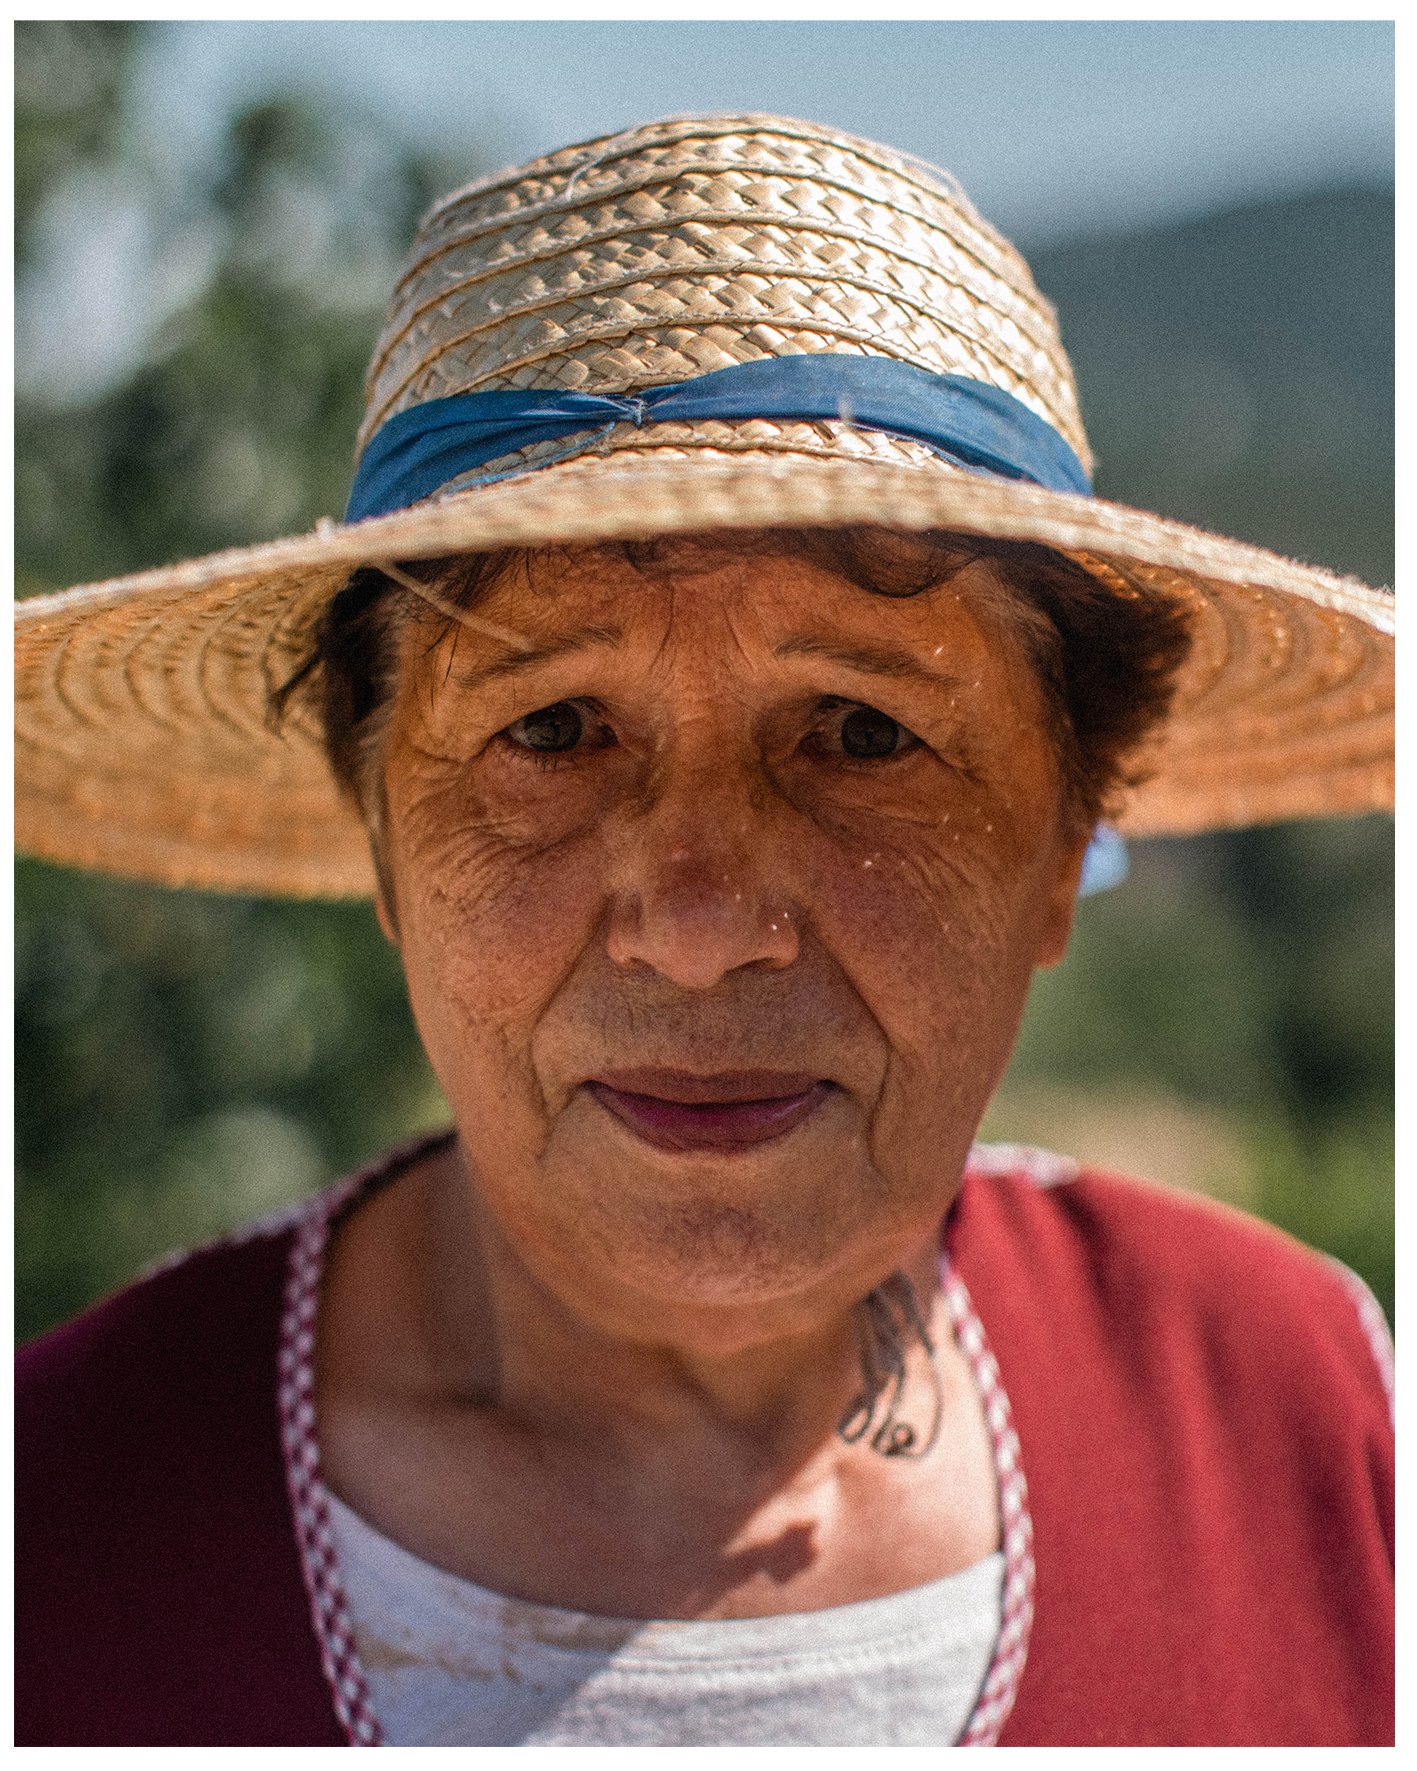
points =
(718, 908)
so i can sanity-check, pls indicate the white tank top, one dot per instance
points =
(452, 1664)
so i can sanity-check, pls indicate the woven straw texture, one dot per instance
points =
(685, 247)
(143, 741)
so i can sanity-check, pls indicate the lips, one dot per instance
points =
(674, 1110)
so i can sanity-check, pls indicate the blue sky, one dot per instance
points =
(1055, 128)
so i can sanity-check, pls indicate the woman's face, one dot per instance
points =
(718, 907)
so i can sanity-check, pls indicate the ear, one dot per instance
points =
(1062, 899)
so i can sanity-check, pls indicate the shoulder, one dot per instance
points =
(159, 1343)
(1209, 1455)
(1155, 1270)
(149, 1477)
(160, 1595)
(156, 1345)
(154, 1403)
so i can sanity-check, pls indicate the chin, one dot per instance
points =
(710, 1232)
(719, 1251)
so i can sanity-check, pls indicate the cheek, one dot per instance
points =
(490, 922)
(937, 930)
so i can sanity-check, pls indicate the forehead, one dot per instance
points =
(763, 582)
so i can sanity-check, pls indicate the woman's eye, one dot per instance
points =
(867, 735)
(558, 727)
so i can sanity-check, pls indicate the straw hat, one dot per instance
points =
(620, 269)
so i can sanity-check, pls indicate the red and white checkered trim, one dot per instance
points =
(1045, 1168)
(309, 1499)
(996, 1696)
(1375, 1331)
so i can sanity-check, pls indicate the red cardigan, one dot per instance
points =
(1203, 1420)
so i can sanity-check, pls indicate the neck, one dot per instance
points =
(763, 1385)
(580, 1458)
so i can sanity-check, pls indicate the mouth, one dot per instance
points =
(674, 1110)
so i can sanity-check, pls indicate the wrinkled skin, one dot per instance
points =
(652, 1346)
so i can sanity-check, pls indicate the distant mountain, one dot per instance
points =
(1237, 371)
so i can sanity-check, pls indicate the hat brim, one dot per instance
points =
(144, 746)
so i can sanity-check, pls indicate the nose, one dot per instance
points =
(703, 890)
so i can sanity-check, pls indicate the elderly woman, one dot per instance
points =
(717, 681)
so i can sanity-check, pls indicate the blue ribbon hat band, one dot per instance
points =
(969, 422)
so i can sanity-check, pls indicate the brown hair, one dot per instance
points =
(1105, 654)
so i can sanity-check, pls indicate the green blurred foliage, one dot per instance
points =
(67, 114)
(1249, 975)
(187, 1061)
(239, 425)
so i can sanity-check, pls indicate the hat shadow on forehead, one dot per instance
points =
(700, 323)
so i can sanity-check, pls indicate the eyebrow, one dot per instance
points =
(512, 663)
(869, 660)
